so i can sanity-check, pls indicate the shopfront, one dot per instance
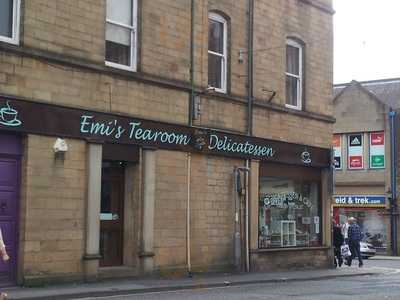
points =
(289, 207)
(122, 186)
(370, 212)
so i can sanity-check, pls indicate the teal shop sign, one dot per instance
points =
(47, 119)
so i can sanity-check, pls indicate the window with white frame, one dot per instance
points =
(121, 34)
(9, 21)
(217, 52)
(294, 74)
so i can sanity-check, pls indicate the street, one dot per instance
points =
(360, 287)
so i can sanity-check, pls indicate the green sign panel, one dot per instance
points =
(377, 161)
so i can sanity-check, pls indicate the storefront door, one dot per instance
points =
(9, 199)
(111, 217)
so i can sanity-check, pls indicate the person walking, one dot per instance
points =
(345, 229)
(354, 236)
(337, 243)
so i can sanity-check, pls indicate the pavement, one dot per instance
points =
(384, 257)
(137, 286)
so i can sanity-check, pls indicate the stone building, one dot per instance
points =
(164, 136)
(362, 143)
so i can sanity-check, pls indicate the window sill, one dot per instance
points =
(293, 107)
(12, 41)
(289, 249)
(119, 66)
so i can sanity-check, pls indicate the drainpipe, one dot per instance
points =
(236, 237)
(188, 254)
(247, 217)
(190, 119)
(249, 121)
(250, 68)
(192, 92)
(393, 175)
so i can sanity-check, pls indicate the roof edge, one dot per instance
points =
(363, 89)
(385, 80)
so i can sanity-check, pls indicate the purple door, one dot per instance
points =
(9, 200)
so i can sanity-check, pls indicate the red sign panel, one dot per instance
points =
(377, 138)
(356, 161)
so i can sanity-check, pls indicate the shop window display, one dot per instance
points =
(373, 224)
(289, 213)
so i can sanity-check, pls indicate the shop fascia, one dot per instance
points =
(364, 200)
(54, 120)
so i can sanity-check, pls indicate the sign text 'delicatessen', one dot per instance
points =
(54, 120)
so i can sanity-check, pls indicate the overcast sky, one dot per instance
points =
(367, 39)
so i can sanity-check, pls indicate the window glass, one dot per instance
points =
(216, 37)
(289, 213)
(291, 90)
(120, 11)
(214, 70)
(373, 224)
(292, 60)
(6, 18)
(217, 29)
(293, 74)
(121, 34)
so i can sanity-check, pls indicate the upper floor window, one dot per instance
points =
(294, 74)
(217, 52)
(121, 34)
(9, 21)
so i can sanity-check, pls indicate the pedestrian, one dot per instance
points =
(354, 236)
(345, 229)
(5, 257)
(338, 241)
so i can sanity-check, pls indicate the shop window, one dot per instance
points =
(9, 21)
(294, 74)
(121, 34)
(217, 52)
(337, 151)
(377, 150)
(289, 213)
(355, 151)
(373, 223)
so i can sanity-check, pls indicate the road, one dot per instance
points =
(361, 287)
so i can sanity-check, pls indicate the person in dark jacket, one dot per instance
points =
(354, 235)
(338, 240)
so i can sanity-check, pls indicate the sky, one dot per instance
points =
(366, 40)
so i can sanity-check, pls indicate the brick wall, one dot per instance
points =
(170, 209)
(274, 22)
(294, 260)
(73, 28)
(79, 88)
(358, 112)
(54, 208)
(212, 211)
(212, 206)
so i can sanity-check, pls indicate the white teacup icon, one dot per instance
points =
(8, 115)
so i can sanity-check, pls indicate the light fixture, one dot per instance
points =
(60, 146)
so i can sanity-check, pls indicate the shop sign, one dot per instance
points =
(377, 150)
(337, 151)
(359, 200)
(285, 200)
(355, 151)
(60, 121)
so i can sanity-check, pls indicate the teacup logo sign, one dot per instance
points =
(306, 157)
(8, 116)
